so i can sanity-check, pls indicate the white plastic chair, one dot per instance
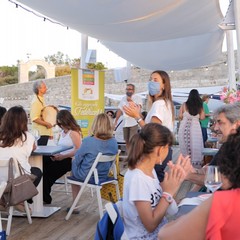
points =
(4, 177)
(64, 182)
(113, 214)
(97, 185)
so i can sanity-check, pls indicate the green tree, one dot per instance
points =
(8, 75)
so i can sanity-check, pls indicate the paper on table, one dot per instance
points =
(194, 200)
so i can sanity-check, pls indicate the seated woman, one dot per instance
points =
(57, 165)
(100, 140)
(17, 142)
(217, 217)
(145, 202)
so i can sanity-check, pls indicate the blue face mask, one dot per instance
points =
(153, 88)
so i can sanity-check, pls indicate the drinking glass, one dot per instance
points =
(213, 178)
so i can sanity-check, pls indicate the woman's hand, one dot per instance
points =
(185, 164)
(132, 110)
(173, 178)
(57, 157)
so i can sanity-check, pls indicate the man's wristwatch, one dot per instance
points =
(168, 197)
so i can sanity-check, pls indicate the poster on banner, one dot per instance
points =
(87, 96)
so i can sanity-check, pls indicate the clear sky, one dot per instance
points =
(23, 33)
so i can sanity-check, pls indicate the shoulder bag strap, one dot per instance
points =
(10, 170)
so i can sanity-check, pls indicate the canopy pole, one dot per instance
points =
(237, 27)
(231, 60)
(84, 48)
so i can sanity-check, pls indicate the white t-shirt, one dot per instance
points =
(163, 112)
(139, 187)
(20, 151)
(129, 121)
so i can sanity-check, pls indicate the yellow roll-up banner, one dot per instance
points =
(87, 96)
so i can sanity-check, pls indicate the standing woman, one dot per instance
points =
(160, 109)
(190, 133)
(38, 103)
(57, 165)
(17, 142)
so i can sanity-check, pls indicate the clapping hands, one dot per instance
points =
(132, 110)
(176, 174)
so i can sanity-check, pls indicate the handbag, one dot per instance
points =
(108, 191)
(19, 189)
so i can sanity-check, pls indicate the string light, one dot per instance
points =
(38, 15)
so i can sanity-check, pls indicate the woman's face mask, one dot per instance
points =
(153, 88)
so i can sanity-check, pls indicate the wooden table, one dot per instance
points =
(38, 209)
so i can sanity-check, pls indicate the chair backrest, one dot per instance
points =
(103, 159)
(4, 164)
(110, 225)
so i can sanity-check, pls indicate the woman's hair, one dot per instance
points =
(2, 112)
(228, 159)
(194, 103)
(102, 127)
(144, 142)
(166, 93)
(13, 126)
(37, 85)
(205, 97)
(66, 119)
(112, 113)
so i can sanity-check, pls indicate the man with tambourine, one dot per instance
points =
(38, 110)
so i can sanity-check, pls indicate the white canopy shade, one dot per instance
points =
(166, 34)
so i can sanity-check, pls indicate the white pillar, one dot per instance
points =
(237, 27)
(84, 48)
(231, 60)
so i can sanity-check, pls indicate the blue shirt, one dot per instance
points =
(88, 152)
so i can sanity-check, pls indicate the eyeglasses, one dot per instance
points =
(129, 89)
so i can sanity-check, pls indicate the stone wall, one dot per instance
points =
(59, 89)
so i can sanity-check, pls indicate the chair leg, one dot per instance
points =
(66, 184)
(117, 191)
(75, 202)
(100, 206)
(28, 212)
(9, 220)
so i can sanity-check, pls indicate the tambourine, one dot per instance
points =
(49, 114)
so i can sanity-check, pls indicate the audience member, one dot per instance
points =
(38, 103)
(57, 165)
(130, 124)
(160, 109)
(190, 134)
(217, 217)
(204, 122)
(101, 140)
(145, 201)
(17, 142)
(2, 112)
(227, 120)
(111, 114)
